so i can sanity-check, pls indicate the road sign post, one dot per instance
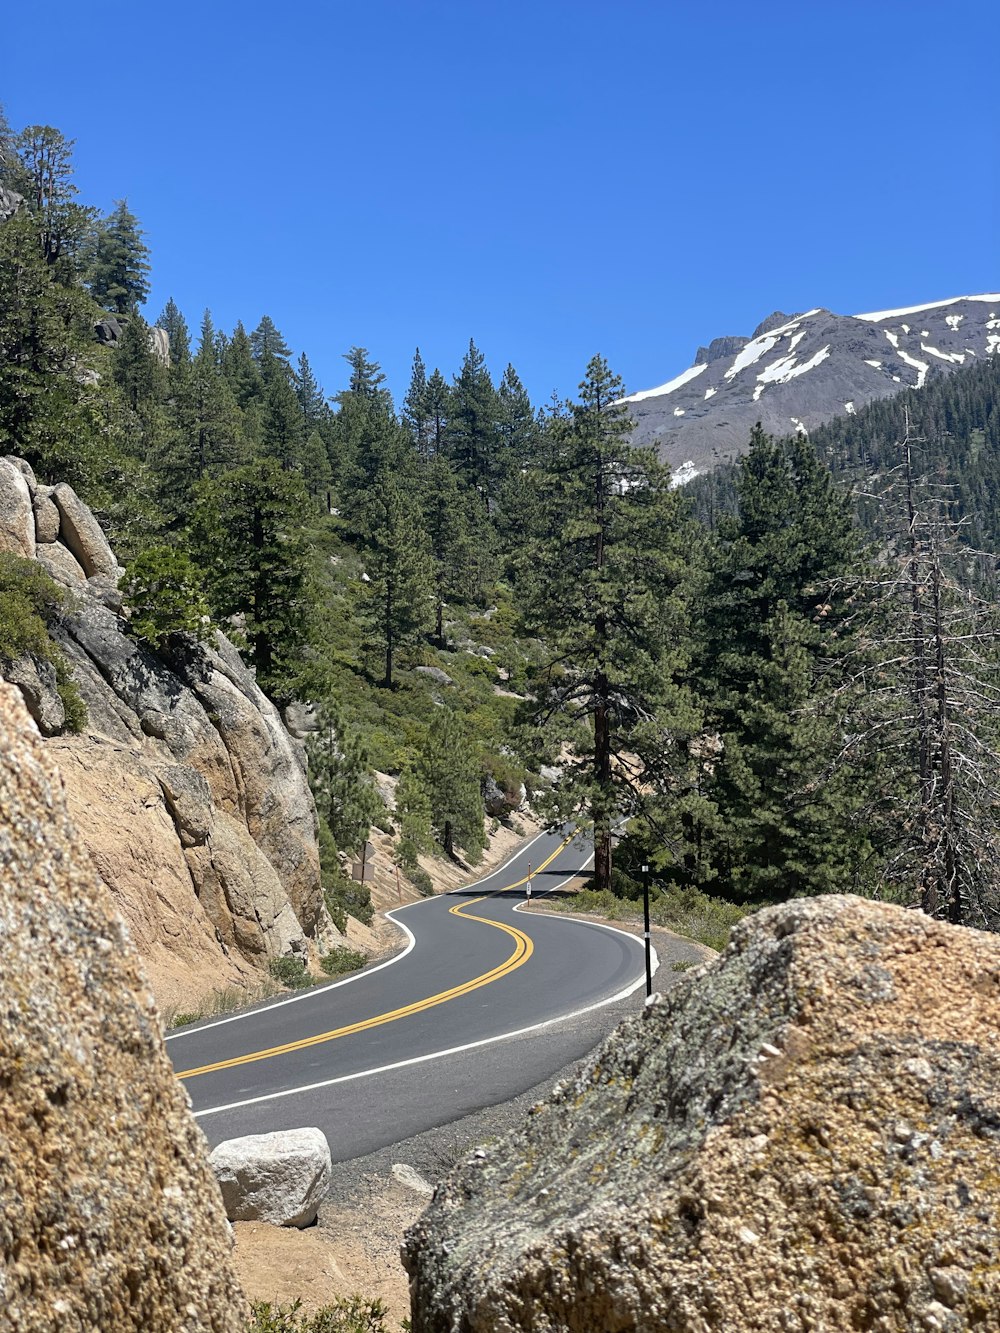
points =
(528, 884)
(645, 930)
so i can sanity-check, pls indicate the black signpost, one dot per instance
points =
(645, 930)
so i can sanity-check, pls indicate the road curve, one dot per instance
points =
(484, 1002)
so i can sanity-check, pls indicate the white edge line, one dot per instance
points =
(313, 991)
(453, 1050)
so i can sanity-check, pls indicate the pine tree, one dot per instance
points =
(367, 380)
(398, 596)
(606, 589)
(45, 341)
(447, 529)
(447, 769)
(416, 417)
(311, 400)
(437, 411)
(247, 538)
(339, 777)
(208, 341)
(45, 179)
(118, 265)
(205, 434)
(283, 427)
(267, 338)
(776, 607)
(365, 438)
(136, 370)
(175, 326)
(471, 439)
(515, 512)
(315, 467)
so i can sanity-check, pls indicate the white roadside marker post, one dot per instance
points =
(527, 892)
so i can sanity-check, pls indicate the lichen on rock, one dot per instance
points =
(804, 1135)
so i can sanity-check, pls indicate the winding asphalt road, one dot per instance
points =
(484, 1002)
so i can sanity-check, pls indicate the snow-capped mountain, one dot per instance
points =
(798, 371)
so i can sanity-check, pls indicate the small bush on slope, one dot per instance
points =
(350, 1315)
(31, 601)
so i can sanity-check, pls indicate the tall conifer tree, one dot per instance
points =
(398, 596)
(607, 587)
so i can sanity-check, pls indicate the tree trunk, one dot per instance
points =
(602, 857)
(262, 647)
(603, 806)
(928, 877)
(387, 682)
(948, 857)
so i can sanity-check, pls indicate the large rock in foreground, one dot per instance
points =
(110, 1218)
(805, 1135)
(281, 1178)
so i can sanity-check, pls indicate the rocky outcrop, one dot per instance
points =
(728, 345)
(10, 202)
(80, 531)
(804, 1135)
(17, 522)
(111, 1218)
(188, 791)
(281, 1178)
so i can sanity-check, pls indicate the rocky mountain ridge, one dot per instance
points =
(797, 371)
(189, 793)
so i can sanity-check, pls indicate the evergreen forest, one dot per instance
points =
(781, 681)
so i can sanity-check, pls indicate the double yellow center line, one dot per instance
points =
(523, 949)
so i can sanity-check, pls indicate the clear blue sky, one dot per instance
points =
(552, 178)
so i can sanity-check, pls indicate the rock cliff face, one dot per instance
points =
(111, 1217)
(188, 792)
(805, 1135)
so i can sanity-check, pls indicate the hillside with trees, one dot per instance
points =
(473, 595)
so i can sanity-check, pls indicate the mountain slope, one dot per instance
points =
(799, 371)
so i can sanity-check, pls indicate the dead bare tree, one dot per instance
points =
(920, 706)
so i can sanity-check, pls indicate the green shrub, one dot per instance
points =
(420, 880)
(341, 960)
(687, 912)
(30, 602)
(352, 1314)
(164, 594)
(290, 971)
(343, 896)
(697, 915)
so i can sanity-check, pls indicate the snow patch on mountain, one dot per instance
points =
(957, 357)
(751, 353)
(873, 316)
(921, 367)
(670, 385)
(685, 473)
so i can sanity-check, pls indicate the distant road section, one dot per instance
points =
(484, 1003)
